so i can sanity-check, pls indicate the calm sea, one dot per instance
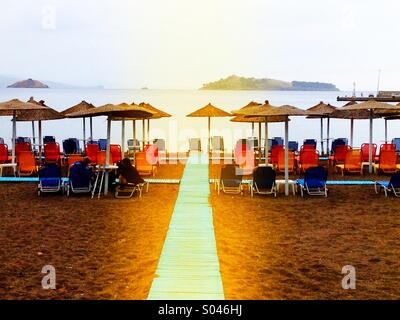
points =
(177, 129)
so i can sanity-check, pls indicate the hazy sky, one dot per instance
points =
(184, 43)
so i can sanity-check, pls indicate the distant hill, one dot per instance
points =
(6, 80)
(29, 83)
(241, 83)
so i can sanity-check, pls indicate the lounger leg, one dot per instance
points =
(101, 184)
(95, 185)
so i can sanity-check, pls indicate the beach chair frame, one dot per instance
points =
(232, 178)
(312, 191)
(255, 189)
(130, 189)
(45, 187)
(70, 188)
(389, 186)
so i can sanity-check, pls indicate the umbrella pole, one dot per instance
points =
(148, 131)
(266, 147)
(143, 133)
(33, 134)
(134, 139)
(287, 157)
(386, 130)
(91, 128)
(40, 140)
(252, 129)
(107, 155)
(208, 143)
(84, 130)
(14, 133)
(351, 132)
(322, 135)
(259, 143)
(123, 138)
(327, 135)
(370, 140)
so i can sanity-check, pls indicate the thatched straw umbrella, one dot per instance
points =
(343, 113)
(252, 112)
(10, 108)
(39, 116)
(80, 107)
(285, 111)
(209, 111)
(157, 114)
(122, 110)
(322, 111)
(258, 120)
(373, 107)
(392, 114)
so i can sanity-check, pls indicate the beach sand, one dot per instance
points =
(294, 248)
(101, 249)
(283, 248)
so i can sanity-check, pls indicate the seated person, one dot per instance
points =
(83, 169)
(128, 173)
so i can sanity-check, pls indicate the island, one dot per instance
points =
(241, 83)
(29, 83)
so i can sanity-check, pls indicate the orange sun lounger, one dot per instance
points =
(308, 158)
(102, 157)
(352, 162)
(52, 152)
(26, 163)
(91, 151)
(281, 161)
(144, 165)
(387, 162)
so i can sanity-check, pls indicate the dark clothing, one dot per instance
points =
(129, 172)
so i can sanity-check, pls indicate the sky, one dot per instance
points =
(181, 44)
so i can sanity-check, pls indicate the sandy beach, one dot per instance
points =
(283, 248)
(101, 249)
(294, 248)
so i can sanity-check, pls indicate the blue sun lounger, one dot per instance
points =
(80, 179)
(389, 186)
(314, 182)
(49, 179)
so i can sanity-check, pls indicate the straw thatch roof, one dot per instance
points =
(157, 113)
(369, 105)
(257, 119)
(285, 110)
(7, 108)
(209, 111)
(251, 106)
(321, 110)
(341, 113)
(82, 106)
(252, 110)
(122, 110)
(38, 115)
(268, 111)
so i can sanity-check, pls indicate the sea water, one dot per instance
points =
(179, 128)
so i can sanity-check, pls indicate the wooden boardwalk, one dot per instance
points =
(188, 266)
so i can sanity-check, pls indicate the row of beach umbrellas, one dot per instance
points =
(253, 113)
